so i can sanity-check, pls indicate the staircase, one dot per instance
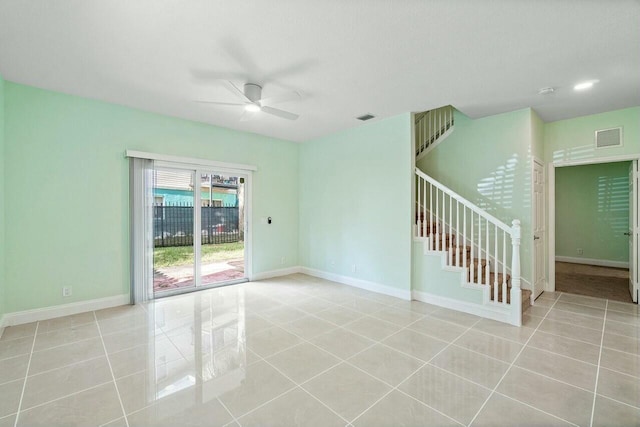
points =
(431, 128)
(448, 246)
(483, 250)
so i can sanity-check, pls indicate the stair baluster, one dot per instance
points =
(470, 247)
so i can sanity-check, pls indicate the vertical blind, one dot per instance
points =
(141, 228)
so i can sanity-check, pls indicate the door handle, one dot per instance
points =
(627, 233)
(536, 238)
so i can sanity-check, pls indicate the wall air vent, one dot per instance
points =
(366, 117)
(606, 138)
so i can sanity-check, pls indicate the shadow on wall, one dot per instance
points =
(496, 191)
(613, 203)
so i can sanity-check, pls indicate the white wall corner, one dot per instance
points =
(45, 313)
(275, 273)
(379, 288)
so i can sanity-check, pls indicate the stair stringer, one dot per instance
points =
(451, 289)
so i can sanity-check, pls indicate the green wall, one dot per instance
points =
(592, 211)
(69, 149)
(488, 161)
(573, 139)
(346, 216)
(2, 191)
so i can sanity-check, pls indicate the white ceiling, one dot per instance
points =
(345, 57)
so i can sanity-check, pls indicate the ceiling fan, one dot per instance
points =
(253, 103)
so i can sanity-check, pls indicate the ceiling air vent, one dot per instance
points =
(366, 117)
(606, 138)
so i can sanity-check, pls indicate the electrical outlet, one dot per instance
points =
(66, 291)
(283, 260)
(580, 251)
(353, 268)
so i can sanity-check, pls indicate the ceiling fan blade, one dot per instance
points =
(280, 113)
(202, 75)
(218, 103)
(237, 92)
(283, 97)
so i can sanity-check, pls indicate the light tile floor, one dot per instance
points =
(301, 351)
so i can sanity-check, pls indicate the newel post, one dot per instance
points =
(516, 292)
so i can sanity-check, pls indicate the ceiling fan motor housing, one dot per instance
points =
(253, 92)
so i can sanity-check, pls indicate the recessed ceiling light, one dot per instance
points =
(585, 85)
(252, 108)
(546, 91)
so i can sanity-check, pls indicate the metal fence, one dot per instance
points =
(173, 225)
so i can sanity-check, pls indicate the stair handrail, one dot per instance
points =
(466, 202)
(514, 232)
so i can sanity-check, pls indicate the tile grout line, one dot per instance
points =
(263, 359)
(509, 368)
(64, 366)
(534, 408)
(68, 343)
(595, 391)
(26, 375)
(68, 395)
(113, 377)
(228, 411)
(340, 360)
(396, 388)
(593, 317)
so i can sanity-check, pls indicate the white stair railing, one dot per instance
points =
(431, 127)
(473, 239)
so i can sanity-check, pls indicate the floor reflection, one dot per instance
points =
(208, 331)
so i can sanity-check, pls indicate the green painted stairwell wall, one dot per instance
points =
(66, 191)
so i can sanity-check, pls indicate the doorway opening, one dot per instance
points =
(199, 227)
(594, 235)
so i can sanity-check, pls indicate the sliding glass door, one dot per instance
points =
(221, 228)
(199, 227)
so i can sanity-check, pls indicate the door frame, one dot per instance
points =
(544, 247)
(551, 213)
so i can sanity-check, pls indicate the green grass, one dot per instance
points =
(183, 255)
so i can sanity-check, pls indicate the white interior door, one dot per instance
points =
(538, 229)
(634, 230)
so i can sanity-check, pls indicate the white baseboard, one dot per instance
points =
(275, 273)
(501, 314)
(45, 313)
(358, 283)
(590, 261)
